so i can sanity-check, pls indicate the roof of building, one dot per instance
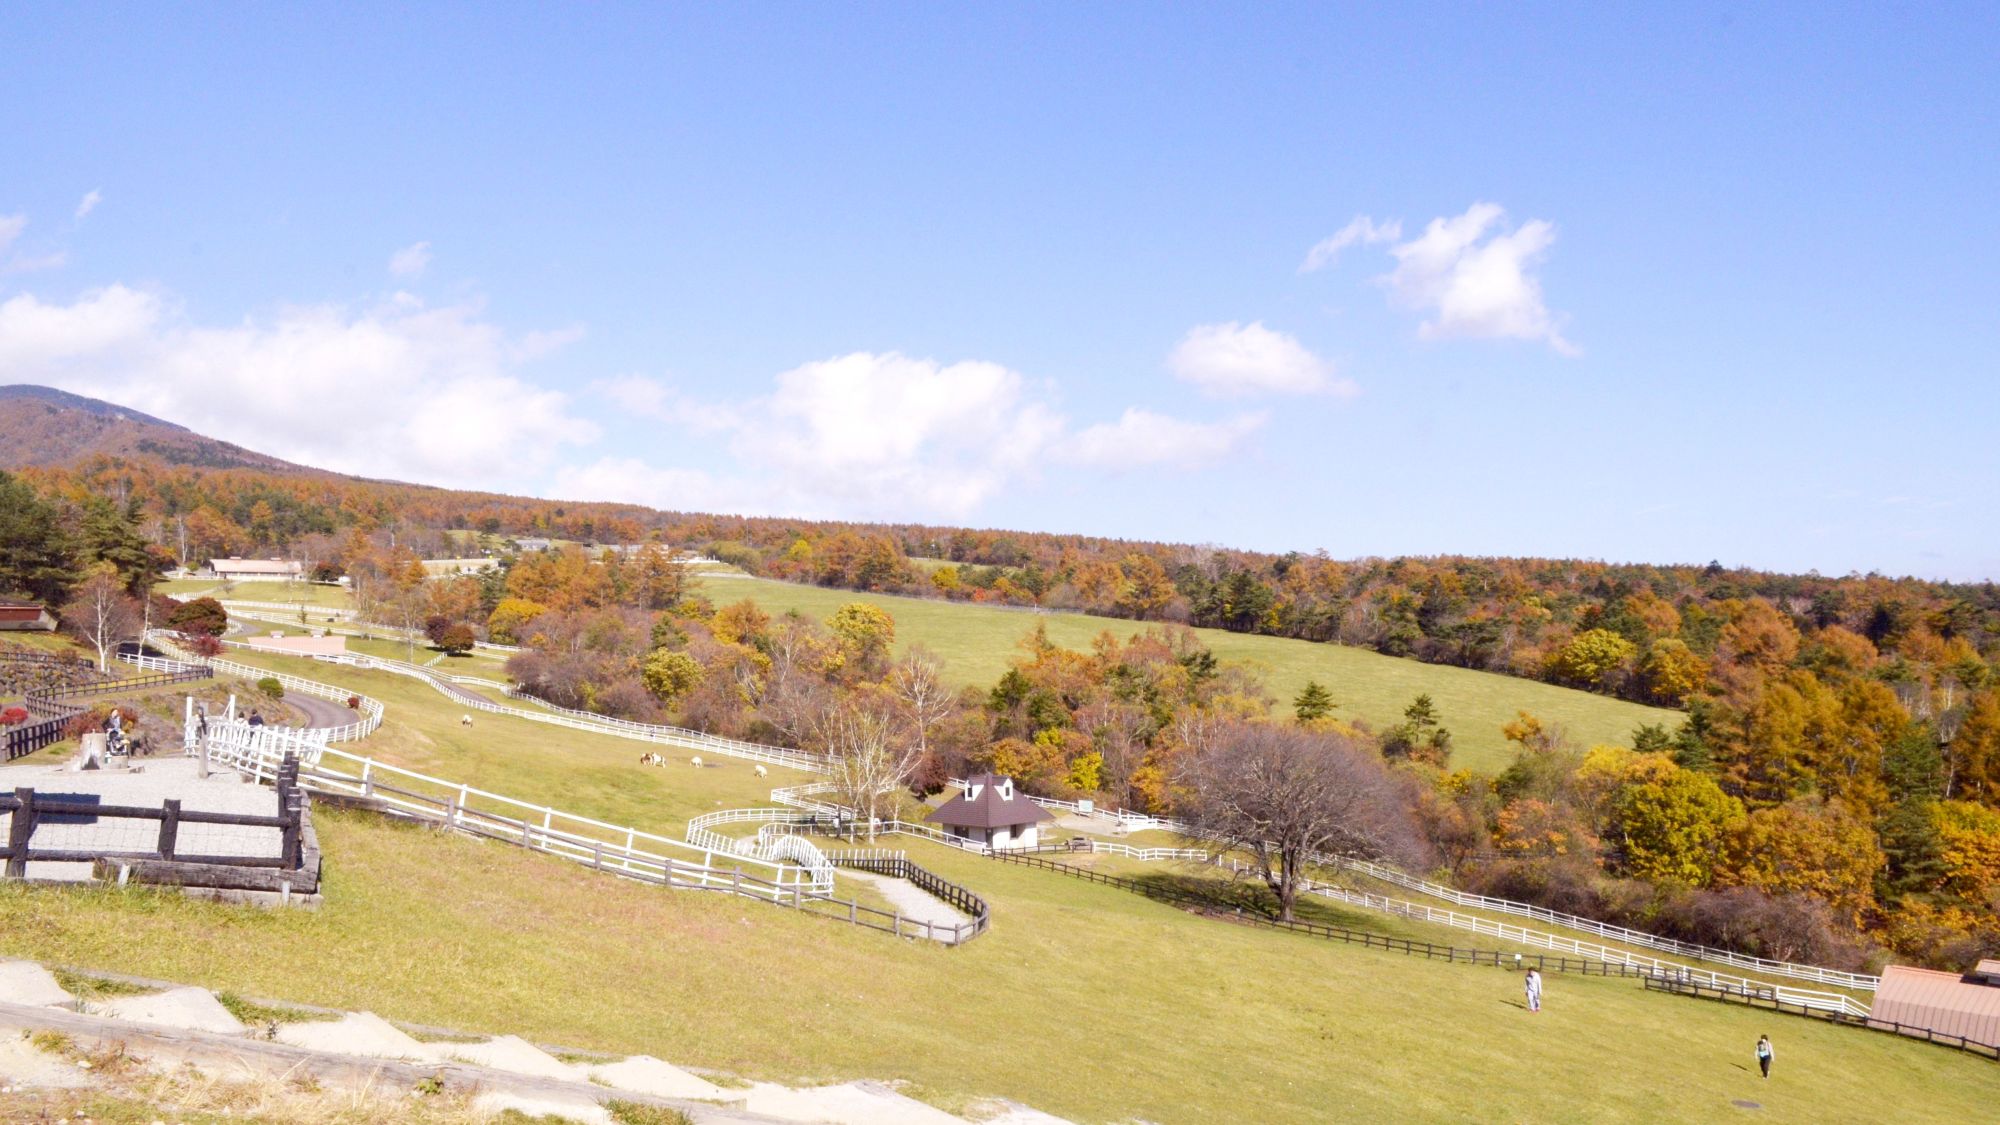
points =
(1942, 1002)
(255, 566)
(989, 802)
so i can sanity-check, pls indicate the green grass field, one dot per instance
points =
(291, 592)
(976, 643)
(576, 771)
(1088, 1001)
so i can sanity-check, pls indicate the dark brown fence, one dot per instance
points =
(128, 683)
(959, 898)
(1909, 1031)
(24, 740)
(54, 703)
(1425, 949)
(27, 808)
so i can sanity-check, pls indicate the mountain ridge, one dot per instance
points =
(45, 426)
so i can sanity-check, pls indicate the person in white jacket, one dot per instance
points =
(1534, 990)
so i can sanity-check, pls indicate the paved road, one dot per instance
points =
(320, 713)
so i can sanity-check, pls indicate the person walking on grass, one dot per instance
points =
(1764, 1054)
(1534, 991)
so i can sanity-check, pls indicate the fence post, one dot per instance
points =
(294, 814)
(170, 826)
(19, 829)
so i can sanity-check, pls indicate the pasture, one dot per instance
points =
(976, 642)
(1111, 1007)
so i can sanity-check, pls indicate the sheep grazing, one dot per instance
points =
(651, 759)
(695, 761)
(465, 720)
(762, 772)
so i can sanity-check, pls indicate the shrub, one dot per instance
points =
(456, 639)
(354, 703)
(202, 615)
(271, 687)
(14, 715)
(96, 720)
(205, 646)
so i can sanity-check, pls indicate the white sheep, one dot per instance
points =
(465, 720)
(695, 761)
(762, 772)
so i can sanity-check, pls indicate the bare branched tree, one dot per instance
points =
(101, 614)
(1286, 795)
(870, 759)
(920, 687)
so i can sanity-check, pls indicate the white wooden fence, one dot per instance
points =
(1862, 982)
(332, 612)
(1521, 935)
(621, 850)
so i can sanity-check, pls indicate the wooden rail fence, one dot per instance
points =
(957, 897)
(1871, 1023)
(26, 810)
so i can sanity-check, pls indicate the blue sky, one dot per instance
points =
(1658, 284)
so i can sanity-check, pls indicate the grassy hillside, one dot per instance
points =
(290, 592)
(977, 641)
(1110, 1007)
(590, 774)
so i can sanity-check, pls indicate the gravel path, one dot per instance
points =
(909, 901)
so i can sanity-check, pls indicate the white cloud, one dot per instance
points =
(1475, 281)
(1142, 438)
(398, 391)
(1240, 359)
(632, 481)
(411, 260)
(11, 227)
(884, 435)
(88, 203)
(881, 432)
(639, 396)
(1360, 230)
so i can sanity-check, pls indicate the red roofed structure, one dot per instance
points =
(19, 615)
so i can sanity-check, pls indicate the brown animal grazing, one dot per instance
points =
(651, 759)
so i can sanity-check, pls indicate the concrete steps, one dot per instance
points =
(508, 1072)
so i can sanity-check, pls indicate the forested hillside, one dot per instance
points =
(1836, 781)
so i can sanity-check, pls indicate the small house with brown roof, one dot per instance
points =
(989, 810)
(16, 615)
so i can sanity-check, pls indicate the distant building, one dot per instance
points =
(234, 569)
(441, 567)
(534, 544)
(20, 616)
(989, 811)
(331, 644)
(1966, 1006)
